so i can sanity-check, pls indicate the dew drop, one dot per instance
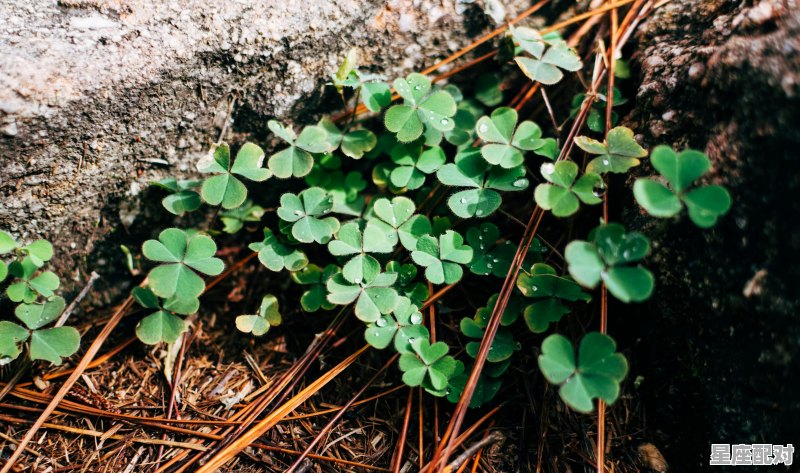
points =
(411, 339)
(463, 200)
(599, 189)
(548, 168)
(535, 288)
(483, 128)
(298, 212)
(626, 254)
(416, 318)
(489, 265)
(445, 121)
(495, 260)
(479, 212)
(381, 322)
(519, 183)
(605, 162)
(416, 87)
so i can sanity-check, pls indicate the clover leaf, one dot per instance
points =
(358, 239)
(618, 153)
(420, 109)
(489, 383)
(39, 252)
(706, 204)
(345, 189)
(488, 91)
(506, 142)
(407, 284)
(503, 345)
(596, 120)
(375, 94)
(297, 160)
(276, 256)
(7, 245)
(182, 198)
(353, 143)
(442, 257)
(563, 193)
(45, 344)
(463, 132)
(482, 181)
(607, 257)
(550, 291)
(304, 210)
(405, 315)
(315, 297)
(374, 295)
(162, 325)
(510, 314)
(490, 256)
(413, 164)
(259, 323)
(223, 188)
(549, 56)
(234, 219)
(597, 373)
(30, 283)
(185, 255)
(397, 218)
(428, 366)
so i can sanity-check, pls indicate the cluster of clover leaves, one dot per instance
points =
(33, 288)
(366, 209)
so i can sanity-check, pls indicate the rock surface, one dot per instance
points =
(720, 346)
(99, 96)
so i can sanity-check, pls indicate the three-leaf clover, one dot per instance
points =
(420, 107)
(399, 323)
(503, 345)
(482, 180)
(374, 295)
(442, 257)
(597, 374)
(276, 256)
(618, 153)
(345, 189)
(234, 219)
(304, 212)
(162, 325)
(545, 65)
(428, 366)
(550, 290)
(486, 389)
(407, 283)
(357, 239)
(490, 256)
(413, 164)
(705, 204)
(353, 143)
(506, 142)
(562, 193)
(7, 245)
(296, 160)
(258, 324)
(223, 188)
(315, 297)
(30, 283)
(182, 198)
(38, 252)
(45, 344)
(607, 257)
(184, 254)
(397, 218)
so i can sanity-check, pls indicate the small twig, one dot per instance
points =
(494, 437)
(72, 305)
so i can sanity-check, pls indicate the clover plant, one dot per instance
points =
(421, 109)
(224, 188)
(705, 203)
(505, 142)
(550, 291)
(562, 194)
(259, 323)
(547, 56)
(617, 153)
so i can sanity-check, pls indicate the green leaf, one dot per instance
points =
(546, 68)
(706, 204)
(442, 257)
(38, 315)
(420, 109)
(606, 257)
(656, 198)
(503, 345)
(429, 364)
(3, 271)
(54, 343)
(374, 295)
(224, 188)
(487, 90)
(315, 297)
(563, 195)
(618, 153)
(267, 316)
(380, 333)
(358, 142)
(550, 289)
(233, 220)
(597, 374)
(503, 145)
(682, 169)
(396, 217)
(277, 256)
(490, 256)
(357, 238)
(376, 95)
(529, 40)
(39, 252)
(7, 243)
(413, 164)
(181, 202)
(12, 336)
(160, 326)
(304, 210)
(482, 182)
(296, 160)
(184, 254)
